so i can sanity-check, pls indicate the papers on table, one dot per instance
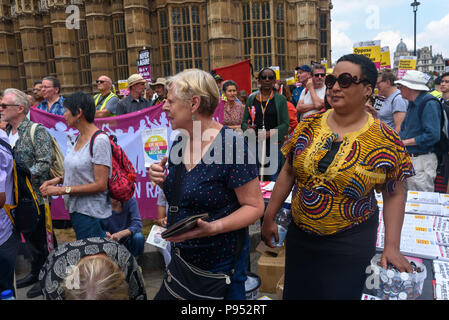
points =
(267, 188)
(441, 282)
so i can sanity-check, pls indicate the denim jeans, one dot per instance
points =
(236, 290)
(8, 254)
(86, 226)
(135, 244)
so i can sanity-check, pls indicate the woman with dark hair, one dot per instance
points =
(86, 174)
(283, 89)
(335, 160)
(232, 110)
(270, 112)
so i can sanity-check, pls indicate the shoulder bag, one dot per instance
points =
(184, 281)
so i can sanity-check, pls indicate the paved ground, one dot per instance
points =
(152, 270)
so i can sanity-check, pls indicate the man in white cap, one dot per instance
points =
(135, 100)
(161, 91)
(420, 130)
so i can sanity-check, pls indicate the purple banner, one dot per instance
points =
(127, 128)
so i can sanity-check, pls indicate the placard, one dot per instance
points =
(155, 238)
(155, 145)
(406, 63)
(123, 87)
(385, 58)
(144, 64)
(277, 71)
(369, 49)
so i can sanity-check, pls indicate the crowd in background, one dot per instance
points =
(318, 124)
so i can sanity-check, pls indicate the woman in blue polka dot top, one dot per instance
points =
(219, 176)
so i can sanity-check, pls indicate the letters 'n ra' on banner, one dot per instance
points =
(369, 49)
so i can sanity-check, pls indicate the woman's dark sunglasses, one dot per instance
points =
(267, 77)
(344, 80)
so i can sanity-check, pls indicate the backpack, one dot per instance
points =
(442, 146)
(121, 184)
(57, 159)
(25, 214)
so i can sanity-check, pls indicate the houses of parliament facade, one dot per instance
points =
(79, 40)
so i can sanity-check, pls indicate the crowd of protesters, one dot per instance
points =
(312, 128)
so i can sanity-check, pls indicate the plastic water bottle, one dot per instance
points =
(7, 295)
(283, 219)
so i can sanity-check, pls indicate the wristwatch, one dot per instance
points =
(67, 190)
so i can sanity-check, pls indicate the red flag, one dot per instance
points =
(240, 72)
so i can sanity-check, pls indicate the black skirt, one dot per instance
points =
(329, 267)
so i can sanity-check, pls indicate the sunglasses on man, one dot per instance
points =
(5, 105)
(101, 81)
(345, 80)
(322, 75)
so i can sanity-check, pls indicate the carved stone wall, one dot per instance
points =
(35, 40)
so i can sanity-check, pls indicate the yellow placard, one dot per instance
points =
(407, 64)
(277, 70)
(369, 49)
(324, 63)
(385, 58)
(290, 81)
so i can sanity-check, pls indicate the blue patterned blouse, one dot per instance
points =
(209, 187)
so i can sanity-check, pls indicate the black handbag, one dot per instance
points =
(184, 281)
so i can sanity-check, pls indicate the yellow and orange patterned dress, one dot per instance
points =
(372, 158)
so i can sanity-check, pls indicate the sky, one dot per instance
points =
(389, 21)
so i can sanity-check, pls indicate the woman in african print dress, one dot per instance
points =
(335, 160)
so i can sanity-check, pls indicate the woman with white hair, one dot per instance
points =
(209, 171)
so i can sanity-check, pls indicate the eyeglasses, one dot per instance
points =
(6, 105)
(344, 80)
(444, 81)
(267, 77)
(101, 81)
(322, 75)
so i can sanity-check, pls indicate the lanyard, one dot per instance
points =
(264, 108)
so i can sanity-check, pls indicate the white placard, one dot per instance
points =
(423, 208)
(442, 290)
(155, 145)
(155, 238)
(441, 270)
(423, 197)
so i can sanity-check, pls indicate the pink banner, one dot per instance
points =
(127, 128)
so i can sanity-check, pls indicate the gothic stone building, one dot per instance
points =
(77, 40)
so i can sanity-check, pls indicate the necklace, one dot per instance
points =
(264, 108)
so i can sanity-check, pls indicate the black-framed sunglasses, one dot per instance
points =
(345, 80)
(6, 105)
(101, 81)
(267, 77)
(322, 75)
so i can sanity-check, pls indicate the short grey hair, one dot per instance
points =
(318, 67)
(20, 98)
(196, 82)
